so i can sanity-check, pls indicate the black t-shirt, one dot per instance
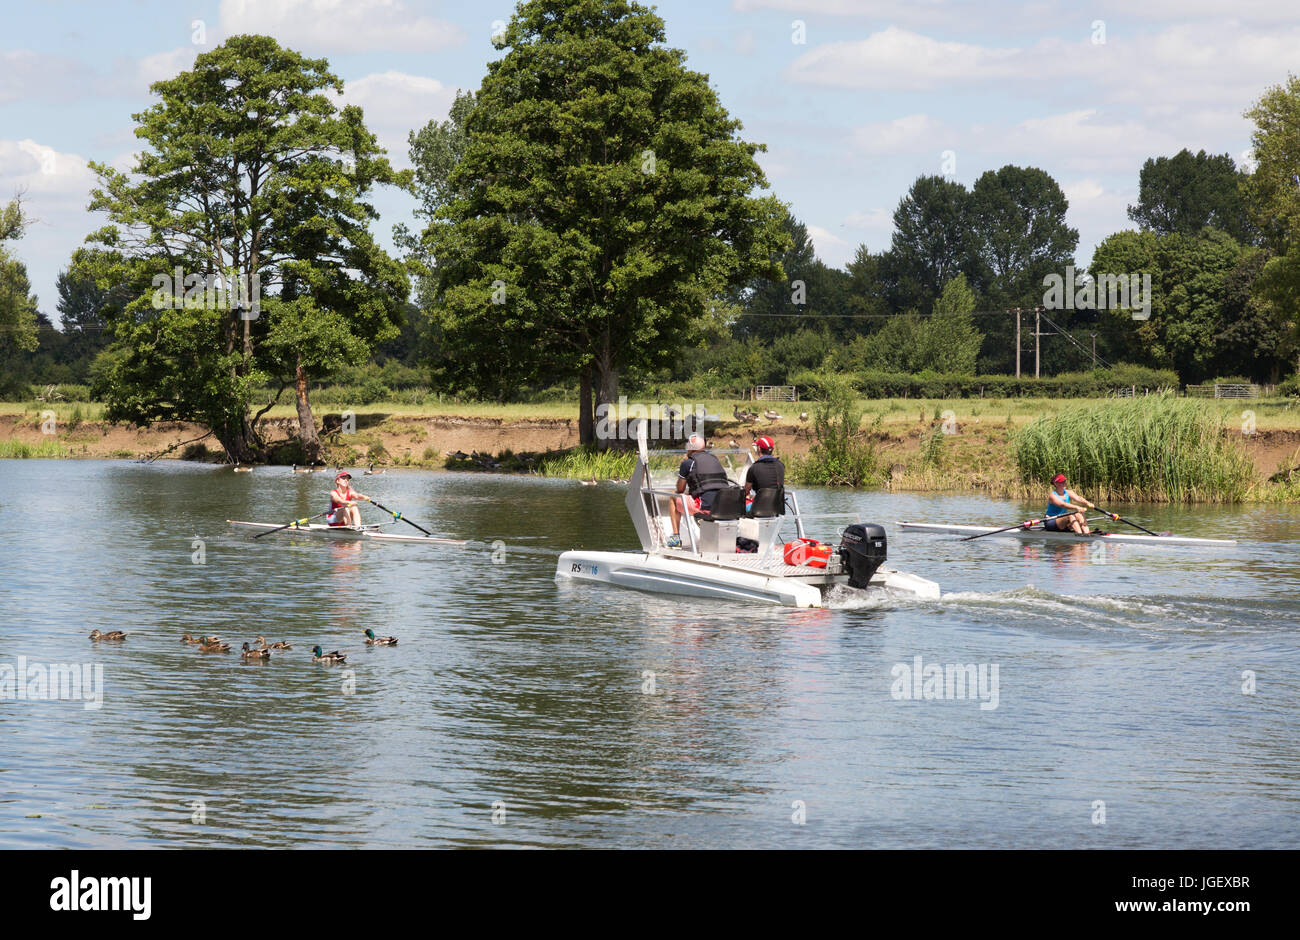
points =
(765, 473)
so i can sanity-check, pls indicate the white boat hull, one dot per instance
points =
(370, 533)
(1021, 533)
(690, 577)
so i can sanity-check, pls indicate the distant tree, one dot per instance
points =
(774, 308)
(1204, 320)
(82, 306)
(931, 242)
(436, 149)
(1186, 193)
(953, 341)
(1017, 217)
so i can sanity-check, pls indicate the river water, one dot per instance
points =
(1144, 697)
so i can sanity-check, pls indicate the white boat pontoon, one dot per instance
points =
(708, 563)
(340, 533)
(1034, 533)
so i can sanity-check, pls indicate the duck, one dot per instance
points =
(330, 659)
(591, 482)
(372, 471)
(298, 469)
(803, 417)
(211, 644)
(249, 653)
(771, 415)
(113, 635)
(732, 444)
(189, 639)
(239, 469)
(372, 640)
(278, 645)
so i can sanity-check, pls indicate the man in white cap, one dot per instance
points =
(703, 475)
(343, 501)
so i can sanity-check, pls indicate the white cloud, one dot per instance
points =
(341, 25)
(901, 135)
(899, 59)
(163, 65)
(395, 104)
(35, 76)
(831, 249)
(1076, 140)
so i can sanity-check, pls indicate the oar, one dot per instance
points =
(398, 515)
(1120, 518)
(1018, 525)
(294, 523)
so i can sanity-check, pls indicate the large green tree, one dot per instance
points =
(1275, 191)
(1188, 192)
(257, 181)
(931, 243)
(18, 322)
(1204, 320)
(602, 204)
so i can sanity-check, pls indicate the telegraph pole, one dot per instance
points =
(1094, 349)
(1038, 331)
(1017, 313)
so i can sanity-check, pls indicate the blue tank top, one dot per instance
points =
(1055, 510)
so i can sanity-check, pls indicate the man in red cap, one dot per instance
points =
(1065, 509)
(343, 501)
(765, 473)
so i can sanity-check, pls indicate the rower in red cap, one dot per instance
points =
(343, 501)
(1065, 509)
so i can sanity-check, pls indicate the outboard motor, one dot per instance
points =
(862, 551)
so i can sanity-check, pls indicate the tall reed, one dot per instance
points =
(587, 463)
(21, 449)
(1156, 449)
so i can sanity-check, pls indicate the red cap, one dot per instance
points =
(764, 443)
(341, 474)
(1059, 478)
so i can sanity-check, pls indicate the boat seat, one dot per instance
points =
(728, 505)
(768, 503)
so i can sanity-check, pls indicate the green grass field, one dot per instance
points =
(895, 412)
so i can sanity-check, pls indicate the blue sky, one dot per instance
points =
(874, 95)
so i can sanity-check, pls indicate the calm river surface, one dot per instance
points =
(1120, 679)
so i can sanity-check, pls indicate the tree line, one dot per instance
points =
(591, 218)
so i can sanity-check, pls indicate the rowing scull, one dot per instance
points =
(1037, 533)
(341, 533)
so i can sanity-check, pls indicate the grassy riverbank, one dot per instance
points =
(954, 445)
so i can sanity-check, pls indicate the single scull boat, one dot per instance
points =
(342, 533)
(1020, 532)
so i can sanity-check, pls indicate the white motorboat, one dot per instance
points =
(709, 565)
(1020, 532)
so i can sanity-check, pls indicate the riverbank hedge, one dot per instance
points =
(1099, 383)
